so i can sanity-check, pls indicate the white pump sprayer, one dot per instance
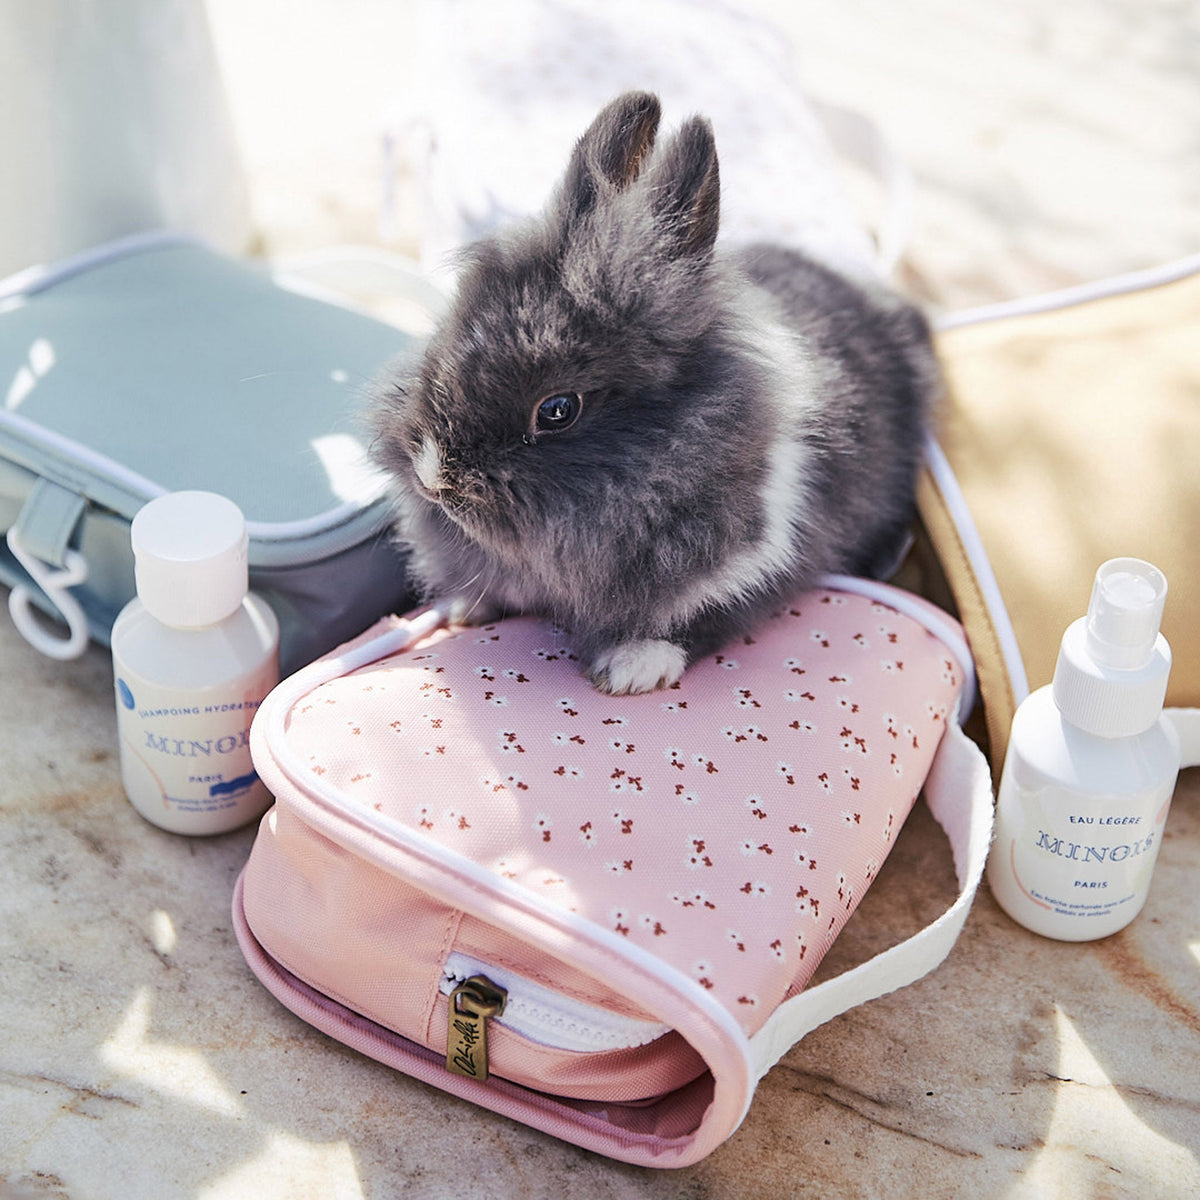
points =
(1113, 664)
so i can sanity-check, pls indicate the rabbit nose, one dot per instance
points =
(427, 463)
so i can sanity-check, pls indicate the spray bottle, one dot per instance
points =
(1090, 769)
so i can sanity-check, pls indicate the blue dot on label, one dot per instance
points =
(125, 694)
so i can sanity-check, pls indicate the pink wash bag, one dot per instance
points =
(594, 914)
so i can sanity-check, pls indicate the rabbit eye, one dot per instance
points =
(558, 412)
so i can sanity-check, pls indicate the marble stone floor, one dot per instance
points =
(139, 1059)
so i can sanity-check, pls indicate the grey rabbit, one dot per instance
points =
(649, 440)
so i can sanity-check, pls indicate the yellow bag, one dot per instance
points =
(1070, 435)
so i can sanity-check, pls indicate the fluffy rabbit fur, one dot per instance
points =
(650, 441)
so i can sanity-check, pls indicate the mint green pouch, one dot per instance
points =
(155, 364)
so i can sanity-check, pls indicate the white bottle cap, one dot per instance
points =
(1113, 665)
(190, 554)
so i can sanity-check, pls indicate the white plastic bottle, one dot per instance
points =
(1090, 769)
(194, 654)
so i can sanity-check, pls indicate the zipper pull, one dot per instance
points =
(471, 1005)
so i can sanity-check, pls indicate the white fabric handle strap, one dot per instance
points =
(959, 794)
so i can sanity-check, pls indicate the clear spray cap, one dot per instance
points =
(1125, 612)
(1111, 677)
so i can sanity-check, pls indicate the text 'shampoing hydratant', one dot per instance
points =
(194, 655)
(1090, 769)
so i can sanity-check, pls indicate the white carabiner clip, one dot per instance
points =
(54, 582)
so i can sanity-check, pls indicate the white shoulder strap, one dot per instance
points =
(959, 794)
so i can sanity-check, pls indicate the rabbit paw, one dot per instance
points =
(469, 610)
(634, 667)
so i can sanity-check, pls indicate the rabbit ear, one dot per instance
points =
(610, 154)
(684, 188)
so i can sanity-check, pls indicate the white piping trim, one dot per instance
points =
(78, 454)
(36, 278)
(128, 480)
(285, 531)
(941, 627)
(1115, 285)
(985, 577)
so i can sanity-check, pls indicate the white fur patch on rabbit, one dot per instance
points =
(636, 667)
(427, 463)
(747, 569)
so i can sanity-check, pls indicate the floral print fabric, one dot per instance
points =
(729, 825)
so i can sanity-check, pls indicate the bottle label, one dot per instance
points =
(1082, 862)
(185, 755)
